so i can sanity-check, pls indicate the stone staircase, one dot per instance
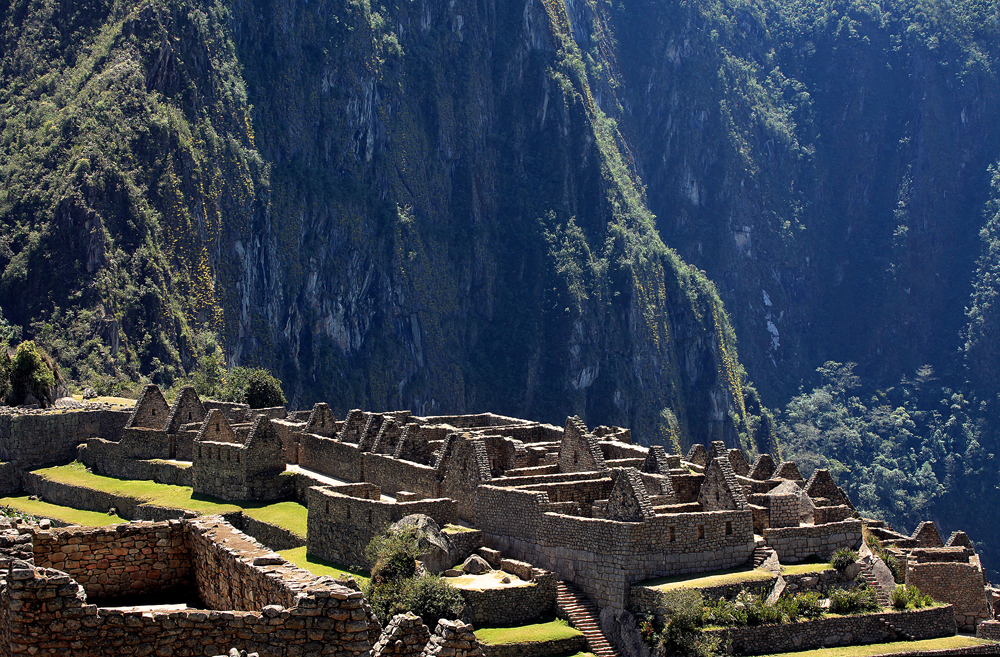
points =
(866, 574)
(897, 633)
(576, 607)
(760, 555)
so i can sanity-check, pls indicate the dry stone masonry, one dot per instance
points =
(541, 502)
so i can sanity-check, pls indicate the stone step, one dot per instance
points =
(584, 616)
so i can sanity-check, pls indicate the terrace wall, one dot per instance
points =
(511, 606)
(927, 623)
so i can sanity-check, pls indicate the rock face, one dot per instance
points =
(468, 233)
(436, 551)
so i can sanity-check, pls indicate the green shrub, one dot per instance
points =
(31, 371)
(910, 596)
(393, 555)
(843, 558)
(254, 386)
(432, 598)
(852, 601)
(685, 613)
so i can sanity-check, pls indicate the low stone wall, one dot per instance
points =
(647, 599)
(89, 499)
(568, 646)
(126, 559)
(840, 631)
(263, 604)
(511, 606)
(795, 544)
(465, 543)
(274, 537)
(103, 457)
(394, 475)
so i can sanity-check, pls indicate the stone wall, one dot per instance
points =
(465, 542)
(89, 499)
(341, 526)
(341, 460)
(10, 479)
(274, 537)
(927, 623)
(37, 439)
(393, 475)
(232, 470)
(510, 606)
(960, 584)
(602, 556)
(799, 543)
(289, 432)
(104, 458)
(276, 610)
(122, 560)
(687, 487)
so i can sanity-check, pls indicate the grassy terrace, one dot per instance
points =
(944, 643)
(321, 567)
(56, 512)
(714, 578)
(287, 515)
(551, 631)
(730, 576)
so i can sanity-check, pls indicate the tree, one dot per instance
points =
(31, 372)
(254, 386)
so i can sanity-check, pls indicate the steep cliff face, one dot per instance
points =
(412, 204)
(826, 164)
(457, 228)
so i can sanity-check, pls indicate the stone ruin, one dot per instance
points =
(585, 506)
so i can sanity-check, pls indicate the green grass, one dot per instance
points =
(287, 515)
(944, 643)
(320, 567)
(551, 631)
(715, 578)
(56, 512)
(456, 529)
(802, 568)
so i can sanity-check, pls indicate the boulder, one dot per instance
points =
(475, 565)
(436, 551)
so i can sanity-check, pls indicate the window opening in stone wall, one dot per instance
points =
(729, 528)
(154, 412)
(199, 451)
(673, 535)
(716, 496)
(189, 416)
(575, 457)
(369, 515)
(237, 457)
(701, 531)
(348, 514)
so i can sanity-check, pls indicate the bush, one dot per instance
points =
(31, 371)
(685, 613)
(910, 596)
(843, 558)
(393, 555)
(852, 601)
(432, 598)
(803, 605)
(254, 386)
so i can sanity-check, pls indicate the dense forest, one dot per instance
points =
(772, 223)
